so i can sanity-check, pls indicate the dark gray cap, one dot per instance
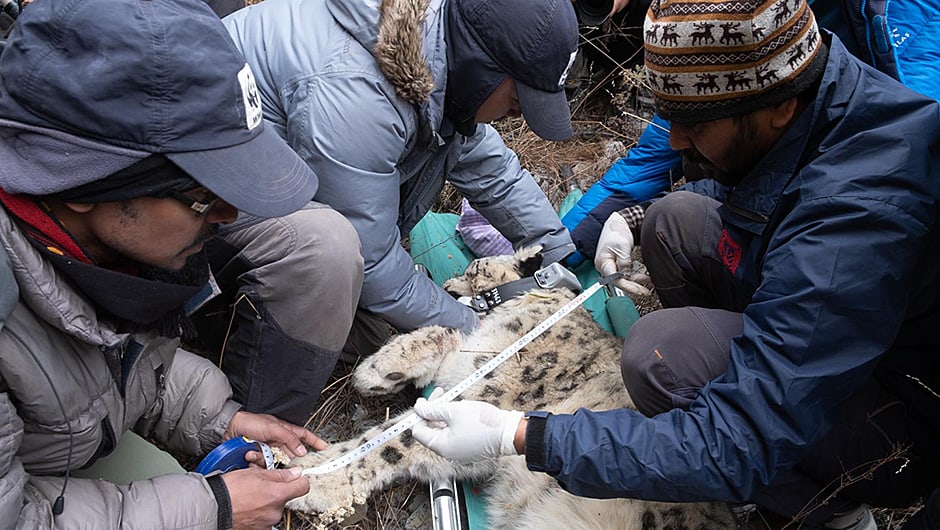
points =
(118, 80)
(534, 42)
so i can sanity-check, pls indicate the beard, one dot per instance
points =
(749, 148)
(696, 167)
(195, 272)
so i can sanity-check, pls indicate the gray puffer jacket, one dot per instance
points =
(51, 338)
(360, 97)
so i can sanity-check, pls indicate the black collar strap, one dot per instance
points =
(549, 277)
(489, 299)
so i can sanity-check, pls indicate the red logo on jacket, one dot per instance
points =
(729, 251)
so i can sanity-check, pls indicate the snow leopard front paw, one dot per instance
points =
(412, 358)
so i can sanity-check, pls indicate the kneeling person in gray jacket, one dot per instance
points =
(386, 103)
(129, 130)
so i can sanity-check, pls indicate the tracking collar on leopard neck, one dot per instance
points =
(554, 275)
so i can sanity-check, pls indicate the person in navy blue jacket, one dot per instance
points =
(900, 39)
(797, 345)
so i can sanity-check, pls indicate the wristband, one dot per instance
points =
(222, 499)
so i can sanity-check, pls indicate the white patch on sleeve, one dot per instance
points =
(251, 97)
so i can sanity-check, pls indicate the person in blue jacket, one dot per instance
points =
(794, 363)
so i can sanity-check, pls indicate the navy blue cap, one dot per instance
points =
(151, 76)
(535, 42)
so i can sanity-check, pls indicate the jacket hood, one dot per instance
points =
(403, 44)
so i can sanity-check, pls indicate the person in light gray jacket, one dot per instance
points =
(386, 101)
(129, 130)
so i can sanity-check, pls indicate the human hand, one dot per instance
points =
(614, 248)
(258, 495)
(619, 5)
(616, 6)
(290, 438)
(465, 431)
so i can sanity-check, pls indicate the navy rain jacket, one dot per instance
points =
(838, 235)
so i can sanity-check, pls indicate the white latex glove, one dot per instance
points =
(614, 248)
(466, 431)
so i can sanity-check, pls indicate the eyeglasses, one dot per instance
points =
(201, 206)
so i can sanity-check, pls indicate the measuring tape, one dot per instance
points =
(413, 419)
(231, 455)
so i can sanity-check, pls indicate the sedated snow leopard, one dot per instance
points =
(573, 364)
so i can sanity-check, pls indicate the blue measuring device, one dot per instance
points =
(230, 455)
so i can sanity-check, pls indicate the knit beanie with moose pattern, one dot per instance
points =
(708, 59)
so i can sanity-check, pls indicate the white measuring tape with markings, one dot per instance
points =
(413, 419)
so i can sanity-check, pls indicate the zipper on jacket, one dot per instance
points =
(748, 214)
(113, 357)
(130, 353)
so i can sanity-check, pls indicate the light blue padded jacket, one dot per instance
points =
(360, 97)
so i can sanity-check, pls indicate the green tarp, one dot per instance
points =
(436, 245)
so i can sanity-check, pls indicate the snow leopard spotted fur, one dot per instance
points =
(573, 364)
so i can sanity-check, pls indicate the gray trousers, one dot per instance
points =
(670, 354)
(290, 290)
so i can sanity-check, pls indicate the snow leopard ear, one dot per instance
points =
(530, 260)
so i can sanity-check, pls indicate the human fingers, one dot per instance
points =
(607, 267)
(285, 438)
(281, 434)
(255, 458)
(307, 438)
(314, 441)
(618, 6)
(438, 392)
(294, 483)
(258, 495)
(622, 256)
(432, 411)
(631, 287)
(425, 433)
